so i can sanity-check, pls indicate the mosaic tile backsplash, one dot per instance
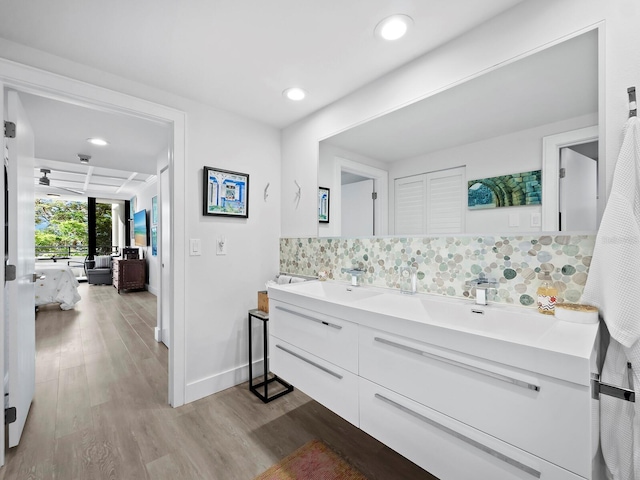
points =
(446, 264)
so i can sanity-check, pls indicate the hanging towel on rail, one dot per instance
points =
(613, 286)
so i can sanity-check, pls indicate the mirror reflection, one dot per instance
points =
(409, 172)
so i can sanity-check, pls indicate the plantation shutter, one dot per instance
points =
(430, 203)
(410, 205)
(446, 195)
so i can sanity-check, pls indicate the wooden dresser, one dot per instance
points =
(129, 274)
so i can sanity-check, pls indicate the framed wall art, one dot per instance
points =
(154, 210)
(323, 204)
(225, 193)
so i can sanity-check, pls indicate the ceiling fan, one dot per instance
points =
(46, 181)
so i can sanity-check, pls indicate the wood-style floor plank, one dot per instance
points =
(100, 409)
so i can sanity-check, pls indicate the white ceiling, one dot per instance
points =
(555, 84)
(239, 55)
(115, 171)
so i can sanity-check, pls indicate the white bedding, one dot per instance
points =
(58, 286)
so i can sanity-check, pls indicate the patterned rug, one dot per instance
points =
(313, 461)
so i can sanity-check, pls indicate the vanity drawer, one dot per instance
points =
(328, 384)
(327, 337)
(443, 446)
(538, 414)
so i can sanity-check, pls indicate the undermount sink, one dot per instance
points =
(337, 292)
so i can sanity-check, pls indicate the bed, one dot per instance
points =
(56, 285)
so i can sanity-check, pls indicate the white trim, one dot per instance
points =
(157, 334)
(551, 146)
(40, 82)
(220, 381)
(381, 185)
(152, 290)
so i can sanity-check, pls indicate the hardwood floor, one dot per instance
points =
(100, 409)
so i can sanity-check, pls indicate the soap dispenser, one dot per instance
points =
(547, 294)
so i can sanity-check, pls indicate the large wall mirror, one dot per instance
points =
(512, 150)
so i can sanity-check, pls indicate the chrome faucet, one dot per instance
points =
(409, 280)
(355, 273)
(482, 284)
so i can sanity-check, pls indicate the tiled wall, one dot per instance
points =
(445, 264)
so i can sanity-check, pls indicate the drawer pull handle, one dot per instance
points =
(481, 371)
(324, 369)
(494, 453)
(309, 317)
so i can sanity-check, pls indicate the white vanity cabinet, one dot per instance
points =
(315, 353)
(539, 414)
(459, 404)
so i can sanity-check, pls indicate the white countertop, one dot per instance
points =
(516, 336)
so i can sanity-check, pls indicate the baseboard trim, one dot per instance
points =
(157, 334)
(221, 381)
(152, 290)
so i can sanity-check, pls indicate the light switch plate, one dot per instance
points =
(221, 246)
(194, 247)
(535, 220)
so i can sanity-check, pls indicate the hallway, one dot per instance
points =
(101, 412)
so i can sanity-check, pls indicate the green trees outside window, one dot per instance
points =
(61, 228)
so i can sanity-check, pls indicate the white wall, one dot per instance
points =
(503, 155)
(218, 290)
(143, 201)
(525, 28)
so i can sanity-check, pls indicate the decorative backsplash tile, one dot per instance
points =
(446, 264)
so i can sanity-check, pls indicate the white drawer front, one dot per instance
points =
(446, 448)
(327, 337)
(328, 384)
(538, 414)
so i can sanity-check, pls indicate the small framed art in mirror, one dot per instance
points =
(323, 204)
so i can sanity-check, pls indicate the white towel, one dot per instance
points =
(613, 286)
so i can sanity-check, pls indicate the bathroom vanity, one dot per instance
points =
(464, 391)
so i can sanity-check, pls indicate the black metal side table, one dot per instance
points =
(264, 317)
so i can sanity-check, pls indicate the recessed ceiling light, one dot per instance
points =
(294, 93)
(97, 141)
(393, 27)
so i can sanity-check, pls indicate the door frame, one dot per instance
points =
(40, 82)
(551, 146)
(380, 184)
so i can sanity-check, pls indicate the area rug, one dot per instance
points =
(313, 461)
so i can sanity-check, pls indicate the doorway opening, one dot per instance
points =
(578, 199)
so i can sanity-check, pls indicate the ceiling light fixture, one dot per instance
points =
(98, 141)
(294, 93)
(393, 27)
(84, 159)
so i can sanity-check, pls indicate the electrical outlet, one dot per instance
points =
(221, 246)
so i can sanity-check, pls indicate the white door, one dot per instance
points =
(357, 209)
(578, 192)
(19, 294)
(165, 256)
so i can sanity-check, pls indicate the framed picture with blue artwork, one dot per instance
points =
(154, 210)
(154, 241)
(225, 193)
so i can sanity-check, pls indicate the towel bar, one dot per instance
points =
(598, 388)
